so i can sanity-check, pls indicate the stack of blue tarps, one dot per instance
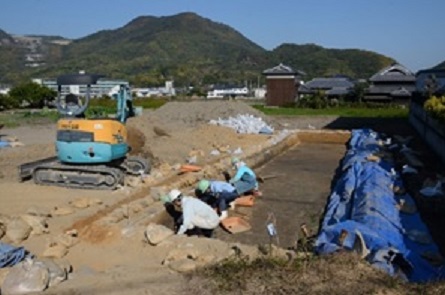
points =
(363, 206)
(10, 255)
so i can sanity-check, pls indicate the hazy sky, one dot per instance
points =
(410, 31)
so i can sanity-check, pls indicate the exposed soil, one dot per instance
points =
(115, 264)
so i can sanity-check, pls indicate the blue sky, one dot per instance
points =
(411, 31)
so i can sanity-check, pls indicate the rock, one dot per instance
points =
(95, 201)
(62, 211)
(136, 207)
(36, 211)
(18, 230)
(156, 233)
(57, 273)
(2, 231)
(3, 273)
(38, 224)
(165, 168)
(55, 251)
(181, 253)
(26, 277)
(132, 181)
(80, 203)
(16, 144)
(65, 240)
(184, 265)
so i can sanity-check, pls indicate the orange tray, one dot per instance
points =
(246, 201)
(190, 168)
(235, 225)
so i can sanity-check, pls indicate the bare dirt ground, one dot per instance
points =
(117, 261)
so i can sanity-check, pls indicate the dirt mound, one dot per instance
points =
(192, 113)
(178, 128)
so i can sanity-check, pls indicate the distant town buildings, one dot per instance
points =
(393, 83)
(333, 87)
(167, 90)
(222, 91)
(103, 87)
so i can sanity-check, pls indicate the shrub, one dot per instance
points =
(435, 106)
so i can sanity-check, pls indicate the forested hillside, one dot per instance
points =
(187, 48)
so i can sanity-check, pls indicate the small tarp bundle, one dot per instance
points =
(10, 255)
(363, 207)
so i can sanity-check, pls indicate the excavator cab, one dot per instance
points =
(91, 153)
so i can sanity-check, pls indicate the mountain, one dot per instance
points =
(317, 61)
(191, 50)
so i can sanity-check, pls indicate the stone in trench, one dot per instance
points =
(62, 211)
(55, 251)
(36, 211)
(80, 203)
(57, 273)
(17, 230)
(2, 231)
(184, 265)
(156, 233)
(38, 224)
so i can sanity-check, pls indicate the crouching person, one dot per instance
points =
(245, 179)
(218, 194)
(198, 218)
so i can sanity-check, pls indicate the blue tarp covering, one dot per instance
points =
(363, 202)
(4, 144)
(10, 255)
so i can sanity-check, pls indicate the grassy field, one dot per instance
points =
(104, 107)
(390, 112)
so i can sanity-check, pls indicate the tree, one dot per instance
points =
(33, 94)
(6, 102)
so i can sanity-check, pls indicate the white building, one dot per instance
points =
(167, 90)
(227, 91)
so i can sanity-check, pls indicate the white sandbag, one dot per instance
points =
(25, 277)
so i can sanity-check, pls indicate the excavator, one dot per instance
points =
(92, 153)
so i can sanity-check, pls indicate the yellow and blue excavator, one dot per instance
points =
(91, 153)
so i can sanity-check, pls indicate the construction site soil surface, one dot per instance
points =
(116, 260)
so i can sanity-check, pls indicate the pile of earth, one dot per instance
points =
(179, 130)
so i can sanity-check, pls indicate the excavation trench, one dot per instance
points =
(302, 163)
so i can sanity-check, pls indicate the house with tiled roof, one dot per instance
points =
(431, 81)
(333, 87)
(393, 83)
(282, 84)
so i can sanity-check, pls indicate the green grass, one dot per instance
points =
(361, 112)
(25, 117)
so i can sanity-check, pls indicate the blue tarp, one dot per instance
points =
(363, 202)
(4, 144)
(10, 255)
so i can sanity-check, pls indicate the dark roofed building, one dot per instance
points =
(332, 87)
(282, 84)
(431, 81)
(393, 83)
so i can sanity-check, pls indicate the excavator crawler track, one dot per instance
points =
(99, 177)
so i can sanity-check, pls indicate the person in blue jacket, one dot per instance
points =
(218, 194)
(245, 179)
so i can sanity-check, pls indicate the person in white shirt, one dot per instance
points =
(198, 218)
